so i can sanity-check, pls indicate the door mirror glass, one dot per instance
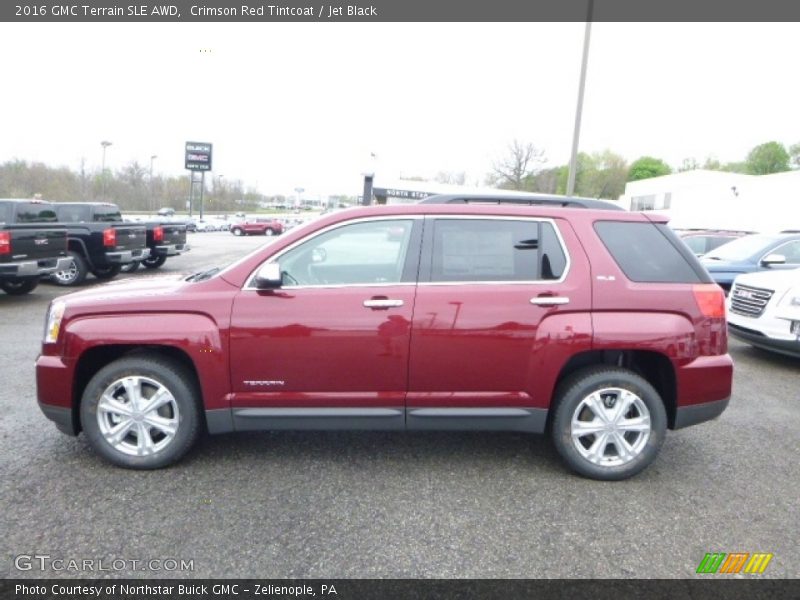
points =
(773, 259)
(269, 276)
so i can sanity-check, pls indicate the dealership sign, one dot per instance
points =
(198, 156)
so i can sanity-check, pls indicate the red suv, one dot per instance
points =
(598, 326)
(257, 226)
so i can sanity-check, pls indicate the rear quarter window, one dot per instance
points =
(650, 253)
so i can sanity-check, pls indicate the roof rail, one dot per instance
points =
(522, 199)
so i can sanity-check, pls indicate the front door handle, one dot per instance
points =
(382, 303)
(549, 300)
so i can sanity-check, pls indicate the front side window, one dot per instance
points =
(475, 250)
(364, 253)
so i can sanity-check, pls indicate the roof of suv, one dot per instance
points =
(522, 200)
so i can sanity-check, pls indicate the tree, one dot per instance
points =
(794, 153)
(518, 167)
(689, 164)
(647, 167)
(770, 157)
(453, 178)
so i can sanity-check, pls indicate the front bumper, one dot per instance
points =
(34, 268)
(54, 393)
(171, 249)
(124, 257)
(788, 346)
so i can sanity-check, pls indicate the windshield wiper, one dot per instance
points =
(203, 275)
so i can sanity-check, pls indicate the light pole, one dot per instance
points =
(299, 191)
(218, 184)
(105, 144)
(573, 160)
(152, 194)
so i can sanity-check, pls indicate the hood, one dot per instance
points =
(127, 290)
(773, 280)
(725, 265)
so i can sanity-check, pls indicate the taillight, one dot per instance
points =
(110, 237)
(5, 242)
(158, 234)
(710, 300)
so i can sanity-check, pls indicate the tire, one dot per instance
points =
(74, 274)
(269, 231)
(107, 272)
(19, 287)
(154, 262)
(236, 231)
(152, 439)
(594, 392)
(130, 267)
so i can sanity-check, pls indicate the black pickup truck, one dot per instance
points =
(31, 244)
(164, 239)
(99, 241)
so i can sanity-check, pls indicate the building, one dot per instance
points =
(720, 200)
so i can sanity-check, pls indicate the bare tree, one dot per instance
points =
(518, 167)
(454, 178)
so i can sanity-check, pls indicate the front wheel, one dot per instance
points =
(609, 423)
(154, 262)
(269, 231)
(236, 231)
(130, 267)
(19, 287)
(107, 271)
(141, 413)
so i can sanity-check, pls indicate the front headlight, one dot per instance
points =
(54, 316)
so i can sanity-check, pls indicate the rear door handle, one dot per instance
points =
(382, 303)
(549, 300)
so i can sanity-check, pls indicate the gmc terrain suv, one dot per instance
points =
(557, 315)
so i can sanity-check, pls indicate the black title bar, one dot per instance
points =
(104, 11)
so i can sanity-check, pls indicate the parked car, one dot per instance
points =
(166, 212)
(258, 226)
(32, 244)
(762, 307)
(751, 253)
(594, 324)
(703, 241)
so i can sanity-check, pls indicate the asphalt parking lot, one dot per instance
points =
(396, 505)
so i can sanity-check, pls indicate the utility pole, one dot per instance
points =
(573, 160)
(105, 144)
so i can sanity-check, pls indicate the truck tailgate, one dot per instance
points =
(35, 241)
(130, 237)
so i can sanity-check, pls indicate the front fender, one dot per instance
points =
(197, 335)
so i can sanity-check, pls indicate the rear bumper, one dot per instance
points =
(34, 268)
(704, 389)
(699, 413)
(171, 249)
(123, 257)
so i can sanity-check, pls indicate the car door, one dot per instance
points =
(329, 348)
(498, 300)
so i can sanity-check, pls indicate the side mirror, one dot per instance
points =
(773, 259)
(269, 277)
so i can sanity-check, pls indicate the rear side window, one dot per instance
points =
(74, 213)
(467, 250)
(35, 213)
(650, 253)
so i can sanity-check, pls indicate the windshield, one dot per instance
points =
(742, 248)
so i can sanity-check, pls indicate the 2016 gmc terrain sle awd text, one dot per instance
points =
(457, 313)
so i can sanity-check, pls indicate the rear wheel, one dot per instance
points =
(19, 287)
(609, 423)
(269, 231)
(74, 274)
(154, 262)
(107, 271)
(141, 413)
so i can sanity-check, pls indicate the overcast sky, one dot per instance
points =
(304, 105)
